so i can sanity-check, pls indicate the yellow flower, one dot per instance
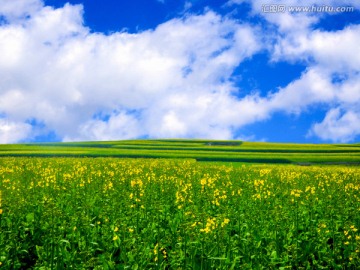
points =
(210, 225)
(164, 253)
(131, 230)
(225, 222)
(206, 230)
(115, 237)
(1, 211)
(116, 229)
(156, 249)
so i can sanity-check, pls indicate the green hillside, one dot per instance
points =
(201, 150)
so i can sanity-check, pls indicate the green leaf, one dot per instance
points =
(274, 255)
(30, 218)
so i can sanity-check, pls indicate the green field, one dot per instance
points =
(179, 204)
(201, 150)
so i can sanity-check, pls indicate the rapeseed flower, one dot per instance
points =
(156, 248)
(164, 253)
(352, 227)
(225, 222)
(210, 225)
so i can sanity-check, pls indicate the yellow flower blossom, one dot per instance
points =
(164, 253)
(203, 181)
(156, 249)
(210, 225)
(225, 222)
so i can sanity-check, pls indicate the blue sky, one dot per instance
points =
(109, 70)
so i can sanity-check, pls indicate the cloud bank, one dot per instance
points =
(173, 81)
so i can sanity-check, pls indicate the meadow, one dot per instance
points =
(92, 211)
(201, 150)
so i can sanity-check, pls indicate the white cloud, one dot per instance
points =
(333, 67)
(173, 81)
(16, 10)
(12, 132)
(332, 78)
(118, 126)
(316, 47)
(311, 88)
(169, 82)
(338, 126)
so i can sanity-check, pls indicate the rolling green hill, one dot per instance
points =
(201, 150)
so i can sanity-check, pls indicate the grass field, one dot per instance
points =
(74, 211)
(201, 150)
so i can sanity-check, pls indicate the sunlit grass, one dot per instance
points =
(201, 150)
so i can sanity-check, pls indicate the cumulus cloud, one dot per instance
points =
(338, 125)
(16, 10)
(173, 81)
(169, 82)
(333, 67)
(331, 79)
(12, 132)
(118, 126)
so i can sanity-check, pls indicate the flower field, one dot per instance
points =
(108, 213)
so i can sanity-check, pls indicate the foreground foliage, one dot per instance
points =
(105, 213)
